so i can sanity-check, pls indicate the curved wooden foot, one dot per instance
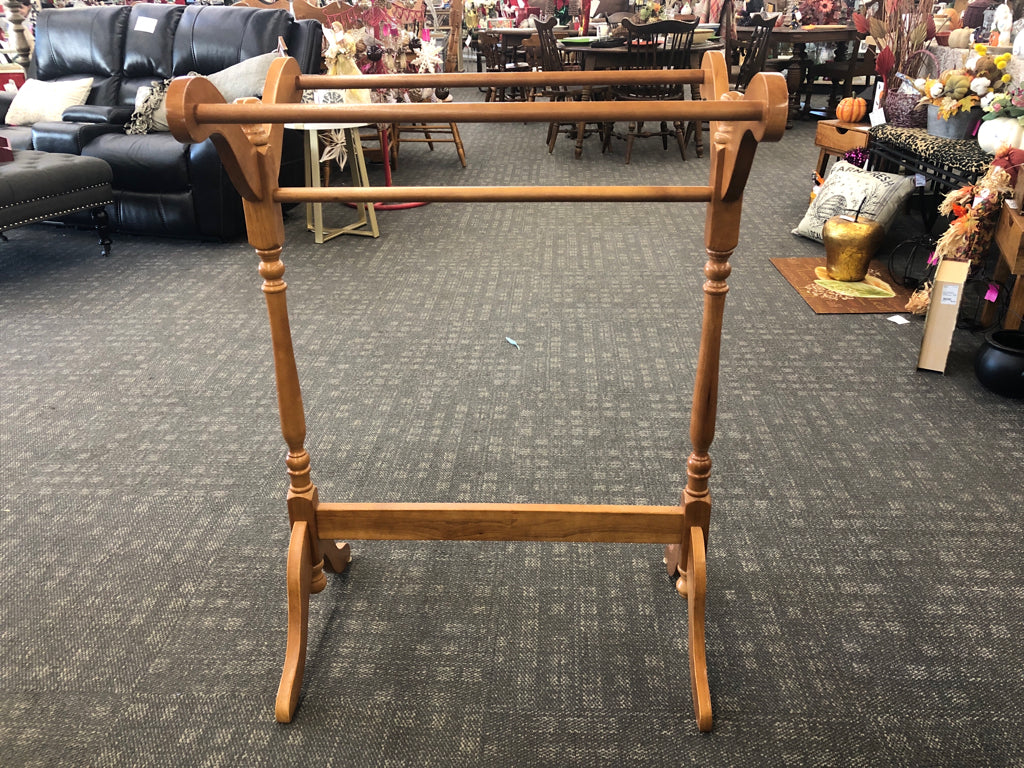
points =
(692, 585)
(299, 576)
(696, 590)
(337, 554)
(671, 559)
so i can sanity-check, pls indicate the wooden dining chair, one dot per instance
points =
(755, 52)
(496, 59)
(659, 45)
(551, 60)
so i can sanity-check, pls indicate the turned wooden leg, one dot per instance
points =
(299, 573)
(693, 584)
(101, 221)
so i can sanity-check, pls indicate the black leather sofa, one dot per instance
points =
(161, 187)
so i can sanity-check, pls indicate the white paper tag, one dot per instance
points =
(877, 117)
(950, 293)
(898, 319)
(145, 24)
(919, 180)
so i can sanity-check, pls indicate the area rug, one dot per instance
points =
(879, 292)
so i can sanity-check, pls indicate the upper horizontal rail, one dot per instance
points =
(489, 112)
(505, 79)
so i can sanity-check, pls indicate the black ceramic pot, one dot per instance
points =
(999, 364)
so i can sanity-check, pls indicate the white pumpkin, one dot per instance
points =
(999, 132)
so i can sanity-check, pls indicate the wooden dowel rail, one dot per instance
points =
(489, 112)
(494, 194)
(505, 79)
(500, 522)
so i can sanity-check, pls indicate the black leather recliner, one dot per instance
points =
(161, 187)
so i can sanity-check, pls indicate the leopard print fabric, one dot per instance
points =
(963, 155)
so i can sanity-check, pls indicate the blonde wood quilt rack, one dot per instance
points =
(248, 136)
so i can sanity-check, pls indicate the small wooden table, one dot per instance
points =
(798, 38)
(835, 138)
(357, 166)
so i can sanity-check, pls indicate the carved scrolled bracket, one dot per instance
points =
(737, 141)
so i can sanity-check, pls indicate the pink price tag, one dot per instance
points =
(933, 259)
(425, 35)
(992, 293)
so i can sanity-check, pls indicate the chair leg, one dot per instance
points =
(664, 134)
(458, 143)
(552, 135)
(680, 139)
(630, 137)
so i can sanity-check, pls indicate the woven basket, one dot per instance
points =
(901, 108)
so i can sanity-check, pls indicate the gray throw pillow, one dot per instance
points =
(246, 78)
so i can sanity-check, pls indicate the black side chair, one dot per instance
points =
(756, 54)
(659, 45)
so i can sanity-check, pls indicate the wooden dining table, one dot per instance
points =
(798, 38)
(617, 57)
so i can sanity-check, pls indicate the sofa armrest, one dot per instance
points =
(95, 113)
(69, 138)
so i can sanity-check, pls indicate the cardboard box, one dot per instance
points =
(947, 291)
(1010, 237)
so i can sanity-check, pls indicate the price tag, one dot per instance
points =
(950, 294)
(919, 180)
(992, 293)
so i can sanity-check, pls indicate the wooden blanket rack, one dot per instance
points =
(248, 136)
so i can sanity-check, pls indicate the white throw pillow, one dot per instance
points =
(41, 101)
(878, 195)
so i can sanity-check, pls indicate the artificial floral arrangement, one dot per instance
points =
(1009, 103)
(975, 210)
(956, 90)
(648, 12)
(900, 28)
(822, 12)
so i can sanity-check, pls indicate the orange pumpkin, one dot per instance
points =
(852, 109)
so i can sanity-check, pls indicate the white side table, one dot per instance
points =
(367, 223)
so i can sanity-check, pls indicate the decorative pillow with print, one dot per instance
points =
(879, 196)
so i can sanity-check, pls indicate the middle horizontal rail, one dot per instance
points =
(613, 194)
(486, 112)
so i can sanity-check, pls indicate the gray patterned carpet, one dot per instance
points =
(865, 560)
